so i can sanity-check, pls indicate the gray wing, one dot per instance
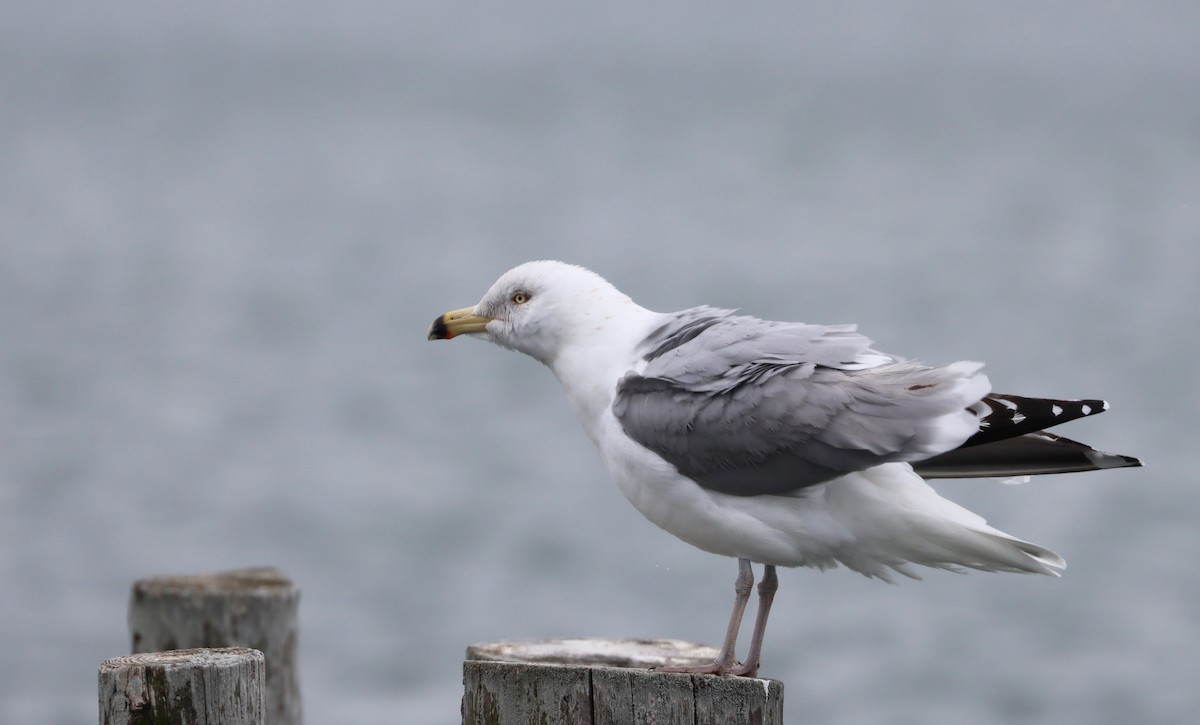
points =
(749, 407)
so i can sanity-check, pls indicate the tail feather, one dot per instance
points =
(988, 549)
(1029, 556)
(897, 519)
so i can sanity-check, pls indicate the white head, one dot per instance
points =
(538, 308)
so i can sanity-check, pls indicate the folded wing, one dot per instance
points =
(751, 407)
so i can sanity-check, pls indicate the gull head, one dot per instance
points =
(537, 308)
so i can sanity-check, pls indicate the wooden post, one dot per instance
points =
(183, 687)
(241, 608)
(606, 682)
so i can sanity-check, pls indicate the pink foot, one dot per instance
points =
(714, 668)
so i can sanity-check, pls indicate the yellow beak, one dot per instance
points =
(457, 322)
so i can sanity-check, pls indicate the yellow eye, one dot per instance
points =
(520, 298)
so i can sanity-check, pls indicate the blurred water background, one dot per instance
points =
(225, 226)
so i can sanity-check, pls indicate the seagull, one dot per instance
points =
(780, 443)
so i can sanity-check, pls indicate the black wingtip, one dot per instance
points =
(1125, 461)
(1010, 416)
(1031, 454)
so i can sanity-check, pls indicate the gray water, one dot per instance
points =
(224, 228)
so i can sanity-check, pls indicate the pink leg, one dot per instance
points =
(727, 658)
(766, 595)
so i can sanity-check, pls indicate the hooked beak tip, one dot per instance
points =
(457, 322)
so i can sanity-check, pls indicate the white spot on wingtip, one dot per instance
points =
(1014, 480)
(1087, 410)
(1056, 410)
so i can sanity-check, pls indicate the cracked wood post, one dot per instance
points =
(183, 687)
(607, 682)
(241, 608)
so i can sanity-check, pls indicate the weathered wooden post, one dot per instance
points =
(183, 687)
(607, 682)
(242, 608)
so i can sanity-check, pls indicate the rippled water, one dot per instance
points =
(224, 229)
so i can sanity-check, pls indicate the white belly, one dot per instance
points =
(873, 521)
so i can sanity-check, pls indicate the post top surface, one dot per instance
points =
(644, 653)
(218, 657)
